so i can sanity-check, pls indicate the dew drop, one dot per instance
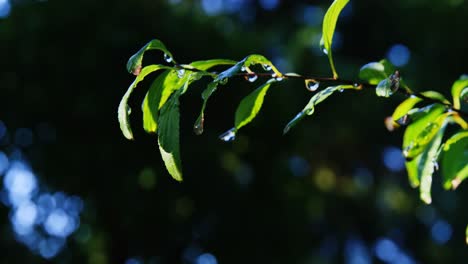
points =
(341, 90)
(266, 67)
(180, 73)
(403, 121)
(229, 135)
(325, 51)
(436, 165)
(198, 126)
(243, 69)
(167, 58)
(252, 77)
(312, 85)
(276, 77)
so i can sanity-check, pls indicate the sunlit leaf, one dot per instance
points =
(315, 100)
(250, 105)
(411, 132)
(457, 88)
(427, 165)
(455, 160)
(328, 29)
(151, 103)
(372, 72)
(246, 62)
(384, 88)
(207, 64)
(418, 144)
(124, 110)
(403, 108)
(134, 63)
(435, 96)
(168, 136)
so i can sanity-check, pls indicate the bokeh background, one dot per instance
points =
(333, 190)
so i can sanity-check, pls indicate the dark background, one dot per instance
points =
(323, 193)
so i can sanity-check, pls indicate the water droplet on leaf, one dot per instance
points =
(167, 58)
(384, 88)
(198, 126)
(229, 135)
(277, 78)
(243, 69)
(312, 85)
(180, 73)
(341, 90)
(266, 67)
(252, 77)
(325, 51)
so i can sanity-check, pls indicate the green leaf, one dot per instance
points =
(207, 64)
(124, 110)
(411, 132)
(151, 103)
(315, 100)
(427, 165)
(455, 160)
(135, 61)
(247, 62)
(435, 96)
(457, 88)
(161, 89)
(403, 108)
(328, 29)
(384, 88)
(374, 72)
(168, 136)
(418, 144)
(250, 105)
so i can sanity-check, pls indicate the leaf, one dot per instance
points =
(168, 137)
(427, 165)
(374, 72)
(403, 108)
(250, 105)
(435, 96)
(384, 88)
(455, 160)
(315, 100)
(457, 88)
(247, 62)
(124, 110)
(411, 132)
(135, 61)
(151, 103)
(328, 29)
(207, 64)
(417, 145)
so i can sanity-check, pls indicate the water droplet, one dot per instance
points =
(341, 90)
(167, 58)
(312, 85)
(243, 69)
(436, 165)
(356, 84)
(266, 67)
(325, 51)
(180, 73)
(277, 78)
(252, 77)
(129, 110)
(198, 127)
(403, 121)
(229, 135)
